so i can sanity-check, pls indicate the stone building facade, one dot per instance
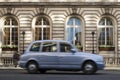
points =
(71, 20)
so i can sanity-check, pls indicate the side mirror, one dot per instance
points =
(73, 50)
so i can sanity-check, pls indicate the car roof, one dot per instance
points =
(51, 41)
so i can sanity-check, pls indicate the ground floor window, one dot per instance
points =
(42, 33)
(42, 28)
(106, 36)
(74, 31)
(10, 33)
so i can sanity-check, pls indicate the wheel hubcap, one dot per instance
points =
(88, 67)
(32, 67)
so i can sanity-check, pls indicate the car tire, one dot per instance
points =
(89, 68)
(32, 67)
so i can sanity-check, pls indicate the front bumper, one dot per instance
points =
(100, 65)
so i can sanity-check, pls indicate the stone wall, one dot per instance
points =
(90, 16)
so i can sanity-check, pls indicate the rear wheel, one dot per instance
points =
(89, 67)
(32, 67)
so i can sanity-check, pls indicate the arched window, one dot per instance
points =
(42, 28)
(74, 31)
(10, 31)
(105, 32)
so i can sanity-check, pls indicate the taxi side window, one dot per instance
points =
(64, 47)
(35, 47)
(49, 47)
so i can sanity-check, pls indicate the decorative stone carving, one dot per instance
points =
(41, 10)
(9, 9)
(74, 10)
(107, 10)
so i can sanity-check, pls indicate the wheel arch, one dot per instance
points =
(29, 61)
(86, 61)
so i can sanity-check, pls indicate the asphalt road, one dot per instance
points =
(58, 75)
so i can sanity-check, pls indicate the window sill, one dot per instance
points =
(9, 49)
(106, 48)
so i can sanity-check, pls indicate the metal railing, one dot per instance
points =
(109, 61)
(112, 61)
(6, 61)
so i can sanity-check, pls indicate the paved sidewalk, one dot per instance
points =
(112, 68)
(10, 68)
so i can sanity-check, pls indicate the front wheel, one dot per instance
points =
(32, 67)
(89, 68)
